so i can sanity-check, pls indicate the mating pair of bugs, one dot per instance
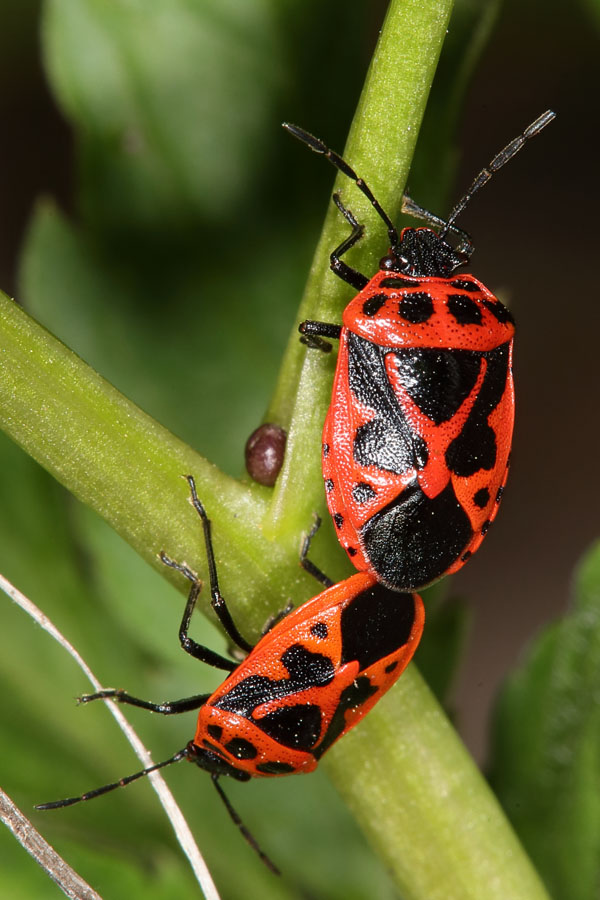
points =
(415, 452)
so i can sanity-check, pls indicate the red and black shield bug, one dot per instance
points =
(307, 681)
(417, 438)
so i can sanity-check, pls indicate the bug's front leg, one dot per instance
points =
(313, 333)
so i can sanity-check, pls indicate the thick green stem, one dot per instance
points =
(128, 468)
(426, 807)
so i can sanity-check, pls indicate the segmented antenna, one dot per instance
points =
(409, 206)
(97, 792)
(181, 754)
(499, 160)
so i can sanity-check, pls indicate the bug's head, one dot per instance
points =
(422, 252)
(211, 761)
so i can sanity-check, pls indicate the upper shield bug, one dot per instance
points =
(417, 439)
(311, 677)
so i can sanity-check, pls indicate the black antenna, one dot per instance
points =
(97, 792)
(499, 160)
(123, 782)
(217, 601)
(319, 147)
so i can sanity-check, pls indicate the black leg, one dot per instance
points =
(217, 601)
(309, 567)
(342, 269)
(278, 617)
(306, 563)
(198, 651)
(168, 708)
(313, 332)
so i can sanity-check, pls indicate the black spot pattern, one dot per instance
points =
(298, 727)
(481, 498)
(351, 551)
(376, 623)
(305, 670)
(325, 451)
(396, 281)
(215, 731)
(475, 447)
(462, 284)
(320, 630)
(499, 494)
(338, 519)
(387, 441)
(353, 696)
(499, 310)
(485, 527)
(241, 749)
(373, 304)
(390, 668)
(414, 540)
(464, 309)
(378, 444)
(275, 768)
(363, 492)
(466, 556)
(210, 759)
(416, 307)
(438, 380)
(328, 485)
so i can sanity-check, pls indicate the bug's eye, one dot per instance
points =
(387, 263)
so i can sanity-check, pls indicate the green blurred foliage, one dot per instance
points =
(546, 763)
(178, 279)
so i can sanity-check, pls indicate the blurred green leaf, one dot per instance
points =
(546, 758)
(203, 369)
(593, 7)
(169, 104)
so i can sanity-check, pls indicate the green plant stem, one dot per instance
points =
(128, 468)
(425, 806)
